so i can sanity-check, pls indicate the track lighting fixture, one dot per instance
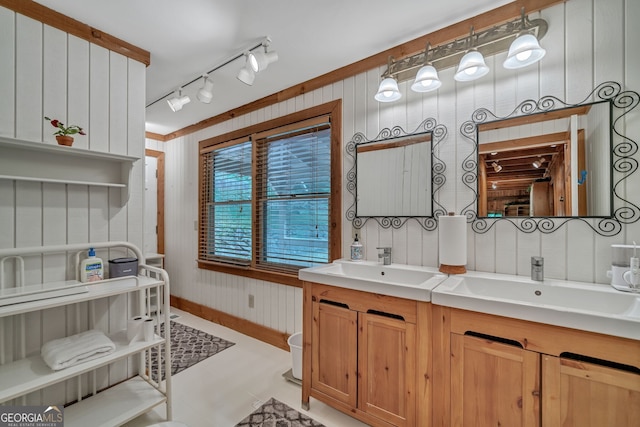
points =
(494, 185)
(467, 53)
(539, 162)
(427, 76)
(246, 74)
(472, 65)
(178, 101)
(496, 167)
(256, 59)
(205, 94)
(260, 60)
(524, 50)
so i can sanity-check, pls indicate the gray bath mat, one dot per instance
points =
(275, 414)
(188, 347)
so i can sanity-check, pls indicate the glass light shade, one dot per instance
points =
(524, 50)
(426, 80)
(471, 67)
(388, 91)
(246, 75)
(176, 103)
(205, 94)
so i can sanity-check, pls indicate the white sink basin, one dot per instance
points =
(399, 280)
(586, 306)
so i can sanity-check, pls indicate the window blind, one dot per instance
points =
(292, 197)
(225, 212)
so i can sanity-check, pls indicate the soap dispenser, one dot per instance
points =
(356, 250)
(91, 268)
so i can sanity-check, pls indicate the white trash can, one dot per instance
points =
(295, 345)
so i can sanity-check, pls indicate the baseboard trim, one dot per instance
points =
(254, 330)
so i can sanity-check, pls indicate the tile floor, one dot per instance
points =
(222, 390)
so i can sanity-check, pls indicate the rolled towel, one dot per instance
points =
(72, 350)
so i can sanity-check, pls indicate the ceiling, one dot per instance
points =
(190, 37)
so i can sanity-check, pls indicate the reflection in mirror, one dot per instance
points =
(583, 158)
(394, 177)
(551, 164)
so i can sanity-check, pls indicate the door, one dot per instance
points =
(386, 368)
(334, 354)
(581, 394)
(154, 202)
(493, 384)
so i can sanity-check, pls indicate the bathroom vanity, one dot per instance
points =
(475, 349)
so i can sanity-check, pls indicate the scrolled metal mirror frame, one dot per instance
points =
(438, 167)
(622, 162)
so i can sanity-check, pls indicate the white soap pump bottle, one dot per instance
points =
(91, 268)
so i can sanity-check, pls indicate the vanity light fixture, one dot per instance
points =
(178, 101)
(388, 90)
(427, 76)
(539, 162)
(525, 49)
(261, 57)
(472, 65)
(205, 94)
(467, 54)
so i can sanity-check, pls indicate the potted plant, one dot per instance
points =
(63, 134)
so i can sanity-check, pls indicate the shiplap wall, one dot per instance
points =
(47, 72)
(588, 42)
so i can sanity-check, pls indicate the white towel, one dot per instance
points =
(72, 350)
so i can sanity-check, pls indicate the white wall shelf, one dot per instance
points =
(39, 161)
(115, 405)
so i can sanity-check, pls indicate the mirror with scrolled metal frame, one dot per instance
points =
(563, 179)
(396, 175)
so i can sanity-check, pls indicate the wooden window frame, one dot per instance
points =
(334, 110)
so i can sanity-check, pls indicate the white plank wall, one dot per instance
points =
(47, 72)
(588, 42)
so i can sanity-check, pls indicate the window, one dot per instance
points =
(270, 196)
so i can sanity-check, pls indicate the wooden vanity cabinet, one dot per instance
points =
(499, 371)
(363, 355)
(493, 384)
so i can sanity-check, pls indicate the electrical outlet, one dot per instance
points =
(252, 301)
(354, 231)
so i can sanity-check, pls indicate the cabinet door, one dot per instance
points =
(334, 354)
(583, 394)
(493, 384)
(386, 368)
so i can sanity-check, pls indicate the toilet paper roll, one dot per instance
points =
(134, 328)
(148, 329)
(452, 240)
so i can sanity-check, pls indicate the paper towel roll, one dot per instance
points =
(134, 328)
(452, 241)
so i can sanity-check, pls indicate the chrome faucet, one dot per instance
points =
(385, 255)
(537, 268)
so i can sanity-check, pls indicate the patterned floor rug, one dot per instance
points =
(188, 347)
(276, 414)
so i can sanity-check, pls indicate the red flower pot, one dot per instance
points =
(64, 140)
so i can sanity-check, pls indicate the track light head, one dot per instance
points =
(539, 162)
(260, 60)
(178, 101)
(205, 94)
(246, 74)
